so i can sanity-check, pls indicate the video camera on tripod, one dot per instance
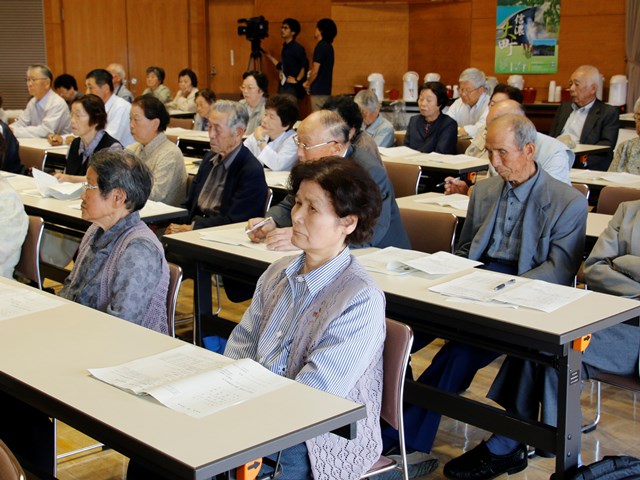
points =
(255, 29)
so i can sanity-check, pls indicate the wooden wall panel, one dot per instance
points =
(223, 40)
(53, 35)
(90, 44)
(198, 41)
(158, 34)
(440, 39)
(371, 38)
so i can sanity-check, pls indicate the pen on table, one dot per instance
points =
(442, 184)
(502, 285)
(258, 225)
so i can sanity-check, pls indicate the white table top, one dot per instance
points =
(604, 179)
(560, 324)
(43, 144)
(439, 162)
(51, 351)
(596, 222)
(584, 148)
(63, 209)
(196, 135)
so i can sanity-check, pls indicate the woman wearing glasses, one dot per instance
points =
(120, 268)
(88, 122)
(254, 92)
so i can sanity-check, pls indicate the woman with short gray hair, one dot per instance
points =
(373, 123)
(120, 268)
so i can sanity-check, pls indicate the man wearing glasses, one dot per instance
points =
(294, 65)
(323, 134)
(46, 113)
(470, 110)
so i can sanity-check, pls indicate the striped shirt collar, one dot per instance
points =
(322, 276)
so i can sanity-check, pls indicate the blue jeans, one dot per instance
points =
(294, 462)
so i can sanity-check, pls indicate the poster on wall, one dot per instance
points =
(527, 34)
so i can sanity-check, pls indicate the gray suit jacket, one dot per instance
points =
(614, 263)
(554, 225)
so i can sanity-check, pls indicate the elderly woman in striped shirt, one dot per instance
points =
(318, 318)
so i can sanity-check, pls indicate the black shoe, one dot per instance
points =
(480, 464)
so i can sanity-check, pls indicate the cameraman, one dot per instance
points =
(294, 65)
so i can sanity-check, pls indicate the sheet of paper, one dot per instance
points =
(277, 179)
(216, 390)
(157, 208)
(457, 201)
(15, 302)
(540, 295)
(448, 159)
(237, 236)
(49, 186)
(142, 374)
(442, 263)
(398, 152)
(20, 183)
(390, 260)
(480, 285)
(622, 178)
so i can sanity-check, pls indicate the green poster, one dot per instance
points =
(527, 36)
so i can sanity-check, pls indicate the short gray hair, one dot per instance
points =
(118, 68)
(238, 113)
(473, 75)
(44, 70)
(636, 107)
(333, 124)
(592, 74)
(123, 169)
(367, 99)
(524, 131)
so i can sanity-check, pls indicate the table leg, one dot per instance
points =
(202, 305)
(569, 414)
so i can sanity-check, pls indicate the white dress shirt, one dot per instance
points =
(43, 117)
(575, 122)
(471, 118)
(280, 154)
(118, 110)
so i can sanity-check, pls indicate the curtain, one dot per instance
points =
(632, 49)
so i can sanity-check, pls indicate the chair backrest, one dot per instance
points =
(430, 232)
(397, 348)
(10, 469)
(611, 197)
(268, 201)
(175, 278)
(29, 264)
(32, 157)
(181, 123)
(583, 188)
(462, 145)
(404, 178)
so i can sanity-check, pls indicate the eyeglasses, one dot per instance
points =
(310, 147)
(247, 87)
(87, 186)
(467, 91)
(33, 80)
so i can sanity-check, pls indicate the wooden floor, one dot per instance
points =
(618, 432)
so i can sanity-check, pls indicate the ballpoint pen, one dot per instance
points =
(258, 225)
(442, 184)
(502, 285)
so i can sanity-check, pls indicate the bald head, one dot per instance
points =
(505, 107)
(321, 134)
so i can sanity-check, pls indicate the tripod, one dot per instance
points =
(255, 57)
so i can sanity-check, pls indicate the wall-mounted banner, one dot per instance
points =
(527, 34)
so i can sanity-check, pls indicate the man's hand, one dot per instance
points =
(453, 185)
(280, 239)
(260, 234)
(177, 228)
(54, 139)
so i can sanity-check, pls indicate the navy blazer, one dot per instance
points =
(554, 226)
(244, 195)
(600, 128)
(442, 138)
